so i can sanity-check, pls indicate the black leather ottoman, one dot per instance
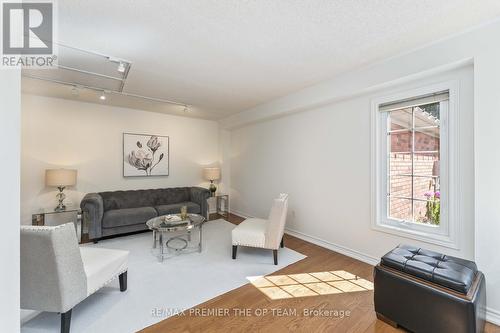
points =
(424, 291)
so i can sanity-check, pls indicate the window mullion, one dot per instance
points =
(412, 163)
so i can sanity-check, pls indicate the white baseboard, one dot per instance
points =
(334, 247)
(492, 316)
(326, 244)
(245, 215)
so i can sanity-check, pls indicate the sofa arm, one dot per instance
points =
(93, 210)
(200, 195)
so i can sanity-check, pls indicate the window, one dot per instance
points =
(413, 159)
(412, 171)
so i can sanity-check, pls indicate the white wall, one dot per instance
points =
(225, 161)
(322, 159)
(10, 118)
(478, 45)
(88, 137)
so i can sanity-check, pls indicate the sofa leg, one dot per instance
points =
(235, 249)
(65, 321)
(282, 244)
(95, 241)
(275, 256)
(387, 320)
(123, 281)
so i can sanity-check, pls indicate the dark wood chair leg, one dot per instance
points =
(65, 321)
(235, 249)
(275, 255)
(123, 281)
(282, 244)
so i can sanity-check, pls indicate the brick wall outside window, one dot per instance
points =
(401, 164)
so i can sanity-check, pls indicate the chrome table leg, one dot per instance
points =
(200, 246)
(160, 257)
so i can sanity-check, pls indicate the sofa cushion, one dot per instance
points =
(144, 198)
(447, 271)
(102, 265)
(176, 208)
(122, 217)
(128, 199)
(170, 196)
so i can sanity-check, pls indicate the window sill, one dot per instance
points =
(431, 238)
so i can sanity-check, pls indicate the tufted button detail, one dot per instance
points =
(447, 271)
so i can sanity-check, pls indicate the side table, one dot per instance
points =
(222, 204)
(50, 217)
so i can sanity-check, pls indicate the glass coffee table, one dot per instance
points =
(172, 235)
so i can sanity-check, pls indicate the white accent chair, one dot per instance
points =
(266, 234)
(57, 274)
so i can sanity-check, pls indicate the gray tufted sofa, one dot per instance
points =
(119, 212)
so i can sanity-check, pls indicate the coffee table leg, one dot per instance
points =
(160, 258)
(200, 246)
(154, 239)
(189, 235)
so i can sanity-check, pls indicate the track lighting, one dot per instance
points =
(121, 67)
(103, 93)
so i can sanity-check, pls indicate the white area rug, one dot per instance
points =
(178, 283)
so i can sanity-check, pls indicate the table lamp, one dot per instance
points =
(60, 178)
(212, 174)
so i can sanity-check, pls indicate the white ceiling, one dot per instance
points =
(225, 56)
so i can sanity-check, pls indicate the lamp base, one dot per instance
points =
(61, 207)
(212, 188)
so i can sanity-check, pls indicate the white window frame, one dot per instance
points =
(447, 234)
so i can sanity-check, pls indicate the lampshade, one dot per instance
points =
(211, 173)
(60, 177)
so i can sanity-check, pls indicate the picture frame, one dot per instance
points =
(145, 155)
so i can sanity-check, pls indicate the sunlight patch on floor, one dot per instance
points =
(309, 284)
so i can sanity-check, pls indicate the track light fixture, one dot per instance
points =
(104, 93)
(121, 67)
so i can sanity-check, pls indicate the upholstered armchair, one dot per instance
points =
(266, 234)
(57, 274)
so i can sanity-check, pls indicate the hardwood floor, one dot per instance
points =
(361, 316)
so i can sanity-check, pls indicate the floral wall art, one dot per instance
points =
(145, 155)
